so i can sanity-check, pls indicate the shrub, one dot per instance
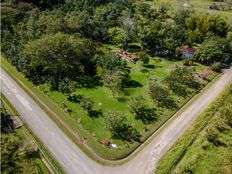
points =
(116, 123)
(182, 78)
(161, 95)
(211, 134)
(216, 66)
(75, 98)
(141, 111)
(188, 62)
(144, 58)
(94, 113)
(87, 104)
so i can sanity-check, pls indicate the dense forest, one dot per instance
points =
(55, 41)
(71, 46)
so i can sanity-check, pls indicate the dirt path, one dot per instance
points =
(74, 161)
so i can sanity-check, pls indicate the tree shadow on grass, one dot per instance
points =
(89, 82)
(131, 84)
(95, 113)
(122, 99)
(149, 66)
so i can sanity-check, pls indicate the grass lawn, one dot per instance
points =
(103, 100)
(193, 153)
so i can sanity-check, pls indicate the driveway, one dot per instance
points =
(74, 161)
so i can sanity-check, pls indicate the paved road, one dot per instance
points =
(74, 161)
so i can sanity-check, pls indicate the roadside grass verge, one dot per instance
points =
(26, 133)
(68, 123)
(62, 119)
(177, 152)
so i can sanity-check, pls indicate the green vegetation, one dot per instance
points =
(90, 61)
(18, 153)
(206, 6)
(205, 146)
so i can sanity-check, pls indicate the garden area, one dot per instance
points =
(88, 112)
(112, 72)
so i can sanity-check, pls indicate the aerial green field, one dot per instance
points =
(79, 120)
(205, 147)
(104, 101)
(112, 72)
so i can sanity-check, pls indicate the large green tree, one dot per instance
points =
(211, 50)
(142, 111)
(58, 56)
(161, 95)
(116, 123)
(113, 71)
(206, 23)
(182, 78)
(152, 35)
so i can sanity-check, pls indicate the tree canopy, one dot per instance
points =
(58, 56)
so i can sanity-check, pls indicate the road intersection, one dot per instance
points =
(74, 161)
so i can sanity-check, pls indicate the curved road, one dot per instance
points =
(74, 161)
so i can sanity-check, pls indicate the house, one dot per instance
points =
(187, 52)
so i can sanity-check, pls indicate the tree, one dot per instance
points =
(113, 71)
(66, 86)
(112, 62)
(152, 34)
(128, 24)
(161, 95)
(38, 24)
(211, 50)
(75, 98)
(115, 122)
(45, 3)
(216, 66)
(206, 23)
(10, 144)
(81, 5)
(180, 78)
(117, 35)
(142, 111)
(113, 80)
(145, 10)
(84, 23)
(125, 33)
(175, 37)
(194, 37)
(87, 104)
(181, 16)
(54, 57)
(144, 57)
(10, 156)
